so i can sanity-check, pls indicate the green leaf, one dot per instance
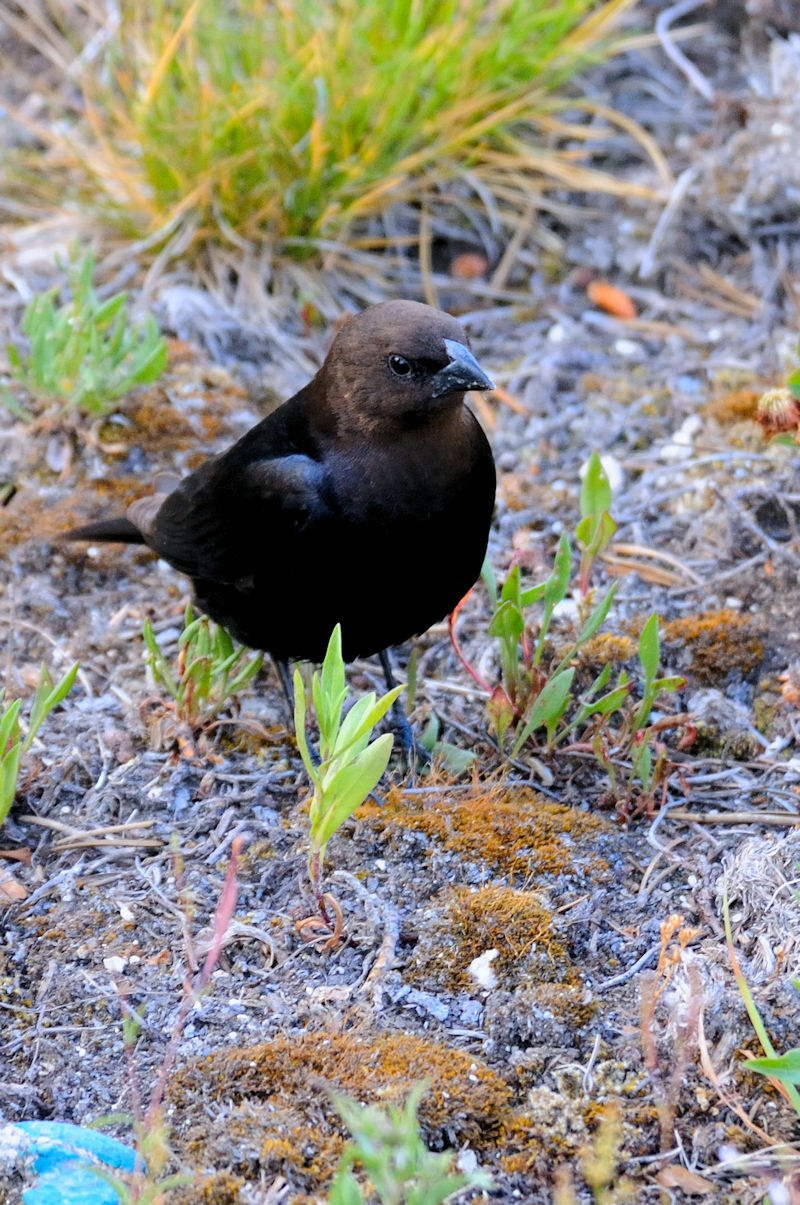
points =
(300, 726)
(350, 787)
(151, 368)
(669, 684)
(784, 1067)
(46, 698)
(583, 530)
(9, 770)
(649, 648)
(454, 759)
(532, 595)
(490, 580)
(362, 718)
(430, 733)
(597, 617)
(595, 488)
(548, 707)
(344, 1190)
(9, 724)
(507, 622)
(105, 312)
(555, 588)
(511, 587)
(331, 693)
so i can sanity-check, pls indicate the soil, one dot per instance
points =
(600, 1048)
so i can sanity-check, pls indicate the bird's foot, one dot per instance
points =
(414, 753)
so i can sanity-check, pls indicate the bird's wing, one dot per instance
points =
(228, 518)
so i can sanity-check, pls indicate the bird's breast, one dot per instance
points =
(403, 483)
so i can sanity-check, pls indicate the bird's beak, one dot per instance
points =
(462, 373)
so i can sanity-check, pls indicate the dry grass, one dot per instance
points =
(207, 123)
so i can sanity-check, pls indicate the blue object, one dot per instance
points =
(61, 1152)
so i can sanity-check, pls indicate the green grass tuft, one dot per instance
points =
(245, 119)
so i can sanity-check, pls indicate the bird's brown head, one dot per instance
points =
(395, 365)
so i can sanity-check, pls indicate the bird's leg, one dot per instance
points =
(412, 750)
(288, 689)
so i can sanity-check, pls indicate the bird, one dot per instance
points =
(365, 499)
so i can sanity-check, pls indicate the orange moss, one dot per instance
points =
(218, 1188)
(31, 516)
(710, 646)
(465, 1102)
(529, 1147)
(734, 405)
(607, 649)
(271, 1114)
(268, 1140)
(717, 643)
(514, 832)
(515, 923)
(155, 423)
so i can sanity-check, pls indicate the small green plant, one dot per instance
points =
(400, 1168)
(12, 742)
(84, 354)
(536, 689)
(209, 670)
(528, 696)
(349, 766)
(596, 527)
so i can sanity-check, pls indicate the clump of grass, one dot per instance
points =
(209, 671)
(84, 354)
(247, 119)
(13, 742)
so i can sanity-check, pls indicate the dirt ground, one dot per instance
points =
(611, 1018)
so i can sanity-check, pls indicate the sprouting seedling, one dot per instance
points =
(639, 733)
(210, 669)
(553, 699)
(596, 526)
(528, 695)
(12, 742)
(389, 1147)
(84, 354)
(349, 766)
(650, 656)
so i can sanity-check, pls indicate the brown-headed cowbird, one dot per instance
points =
(365, 499)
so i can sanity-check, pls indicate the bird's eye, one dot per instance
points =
(399, 366)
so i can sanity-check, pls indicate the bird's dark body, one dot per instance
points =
(336, 507)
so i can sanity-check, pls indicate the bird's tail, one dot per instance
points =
(118, 531)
